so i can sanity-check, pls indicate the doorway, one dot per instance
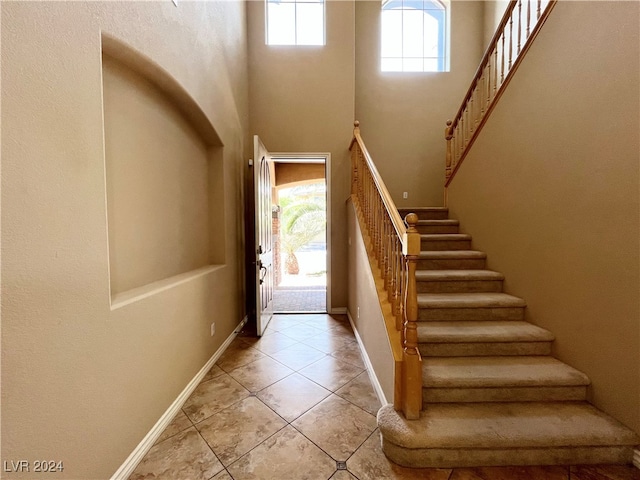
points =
(300, 232)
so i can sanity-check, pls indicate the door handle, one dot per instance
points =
(263, 273)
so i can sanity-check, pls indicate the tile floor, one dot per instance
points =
(297, 404)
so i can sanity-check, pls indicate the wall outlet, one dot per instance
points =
(213, 329)
(405, 194)
(358, 313)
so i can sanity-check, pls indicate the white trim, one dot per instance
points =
(372, 374)
(636, 458)
(130, 464)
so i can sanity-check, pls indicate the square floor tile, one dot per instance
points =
(292, 396)
(287, 455)
(298, 356)
(212, 396)
(342, 475)
(331, 373)
(360, 392)
(369, 461)
(234, 431)
(336, 426)
(273, 343)
(279, 322)
(237, 355)
(213, 372)
(223, 475)
(185, 455)
(179, 423)
(350, 354)
(302, 331)
(328, 343)
(260, 374)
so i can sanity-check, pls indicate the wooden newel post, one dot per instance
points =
(448, 135)
(411, 359)
(354, 158)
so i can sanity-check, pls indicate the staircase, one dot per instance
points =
(492, 394)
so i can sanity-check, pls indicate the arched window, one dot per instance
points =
(415, 36)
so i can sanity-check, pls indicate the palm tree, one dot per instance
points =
(303, 219)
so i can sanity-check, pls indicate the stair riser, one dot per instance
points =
(470, 314)
(426, 215)
(478, 457)
(503, 394)
(433, 229)
(463, 286)
(457, 264)
(484, 349)
(444, 245)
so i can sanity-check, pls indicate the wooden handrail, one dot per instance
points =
(395, 246)
(389, 204)
(500, 61)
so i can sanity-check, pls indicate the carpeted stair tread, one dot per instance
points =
(504, 426)
(407, 210)
(457, 275)
(439, 237)
(469, 300)
(499, 372)
(481, 332)
(452, 254)
(436, 223)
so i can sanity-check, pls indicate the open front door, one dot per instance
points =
(263, 235)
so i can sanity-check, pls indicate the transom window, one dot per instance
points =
(295, 22)
(414, 36)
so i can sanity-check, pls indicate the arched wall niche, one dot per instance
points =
(165, 82)
(164, 178)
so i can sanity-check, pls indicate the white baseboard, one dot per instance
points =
(367, 361)
(636, 458)
(130, 464)
(339, 311)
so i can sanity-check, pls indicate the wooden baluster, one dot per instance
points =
(397, 273)
(481, 90)
(528, 18)
(394, 271)
(383, 240)
(448, 134)
(519, 25)
(510, 39)
(411, 359)
(402, 290)
(502, 62)
(495, 76)
(488, 84)
(354, 160)
(539, 10)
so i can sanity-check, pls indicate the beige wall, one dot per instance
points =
(493, 12)
(364, 308)
(82, 383)
(402, 115)
(550, 191)
(302, 100)
(157, 179)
